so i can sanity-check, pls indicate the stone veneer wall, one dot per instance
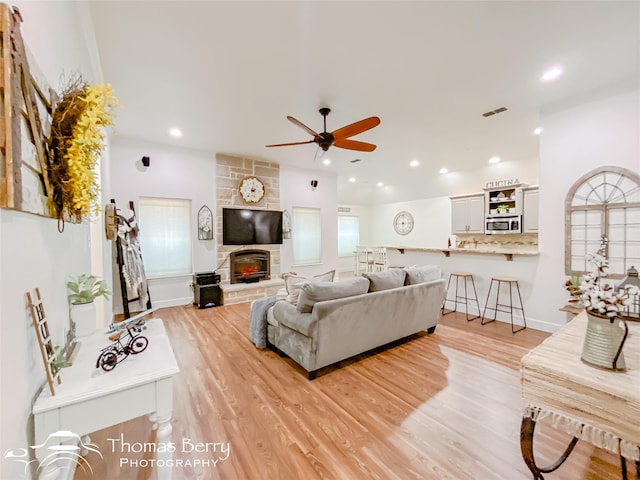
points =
(229, 171)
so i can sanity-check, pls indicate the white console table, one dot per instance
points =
(90, 399)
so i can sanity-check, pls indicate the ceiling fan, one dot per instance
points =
(340, 137)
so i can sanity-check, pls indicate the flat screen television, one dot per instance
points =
(242, 226)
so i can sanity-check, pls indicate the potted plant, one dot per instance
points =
(83, 290)
(606, 329)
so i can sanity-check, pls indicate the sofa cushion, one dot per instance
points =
(314, 292)
(385, 280)
(293, 284)
(424, 274)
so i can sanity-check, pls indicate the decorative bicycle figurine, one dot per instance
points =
(121, 348)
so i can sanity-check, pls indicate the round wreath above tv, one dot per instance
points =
(251, 189)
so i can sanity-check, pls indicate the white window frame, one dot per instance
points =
(603, 203)
(348, 248)
(306, 232)
(166, 236)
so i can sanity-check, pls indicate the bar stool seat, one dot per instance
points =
(463, 277)
(504, 307)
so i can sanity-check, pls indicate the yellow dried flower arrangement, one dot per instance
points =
(77, 138)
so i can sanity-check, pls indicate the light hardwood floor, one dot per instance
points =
(441, 406)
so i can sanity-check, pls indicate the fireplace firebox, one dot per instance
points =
(247, 266)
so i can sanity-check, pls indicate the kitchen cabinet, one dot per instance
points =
(530, 210)
(467, 214)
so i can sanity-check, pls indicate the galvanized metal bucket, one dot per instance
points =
(603, 342)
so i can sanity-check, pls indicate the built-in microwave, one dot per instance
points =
(510, 224)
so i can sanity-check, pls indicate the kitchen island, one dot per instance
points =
(484, 262)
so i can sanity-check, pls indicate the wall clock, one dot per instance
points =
(251, 189)
(403, 223)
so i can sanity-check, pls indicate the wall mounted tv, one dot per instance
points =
(242, 226)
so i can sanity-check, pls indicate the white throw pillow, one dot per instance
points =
(386, 280)
(424, 274)
(294, 283)
(314, 292)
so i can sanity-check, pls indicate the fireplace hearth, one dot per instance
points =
(249, 266)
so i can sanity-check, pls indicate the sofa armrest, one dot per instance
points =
(287, 314)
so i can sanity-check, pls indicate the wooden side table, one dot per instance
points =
(594, 405)
(90, 399)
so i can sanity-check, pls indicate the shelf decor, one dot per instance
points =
(205, 223)
(286, 225)
(47, 350)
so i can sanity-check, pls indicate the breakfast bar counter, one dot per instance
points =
(508, 252)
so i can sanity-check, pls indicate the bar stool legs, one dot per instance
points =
(507, 308)
(463, 300)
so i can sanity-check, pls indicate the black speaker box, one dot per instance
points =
(205, 296)
(206, 278)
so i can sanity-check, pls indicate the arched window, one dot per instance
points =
(603, 203)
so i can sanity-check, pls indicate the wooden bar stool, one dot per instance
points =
(462, 299)
(507, 308)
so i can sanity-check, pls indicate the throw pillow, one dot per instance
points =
(293, 284)
(313, 293)
(385, 280)
(424, 274)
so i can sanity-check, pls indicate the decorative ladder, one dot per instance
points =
(47, 351)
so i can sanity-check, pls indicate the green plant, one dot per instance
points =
(60, 361)
(86, 288)
(502, 208)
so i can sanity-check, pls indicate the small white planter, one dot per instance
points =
(84, 318)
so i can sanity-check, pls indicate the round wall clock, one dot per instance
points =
(251, 189)
(403, 223)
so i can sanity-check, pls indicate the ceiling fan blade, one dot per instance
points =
(356, 128)
(287, 144)
(302, 126)
(354, 145)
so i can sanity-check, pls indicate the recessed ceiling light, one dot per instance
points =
(326, 161)
(551, 74)
(538, 131)
(414, 163)
(352, 179)
(175, 132)
(494, 160)
(444, 170)
(379, 184)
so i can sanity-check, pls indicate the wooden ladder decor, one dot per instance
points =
(44, 339)
(26, 109)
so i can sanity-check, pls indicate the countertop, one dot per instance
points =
(508, 252)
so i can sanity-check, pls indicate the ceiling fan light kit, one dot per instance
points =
(340, 137)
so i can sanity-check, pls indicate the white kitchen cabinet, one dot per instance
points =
(467, 214)
(530, 210)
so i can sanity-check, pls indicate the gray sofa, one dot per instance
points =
(335, 321)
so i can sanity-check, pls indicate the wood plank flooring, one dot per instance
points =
(441, 406)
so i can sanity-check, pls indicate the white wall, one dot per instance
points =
(432, 223)
(603, 130)
(296, 191)
(32, 252)
(173, 173)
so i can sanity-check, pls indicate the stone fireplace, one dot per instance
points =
(249, 266)
(230, 170)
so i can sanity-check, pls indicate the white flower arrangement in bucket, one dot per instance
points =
(83, 290)
(606, 329)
